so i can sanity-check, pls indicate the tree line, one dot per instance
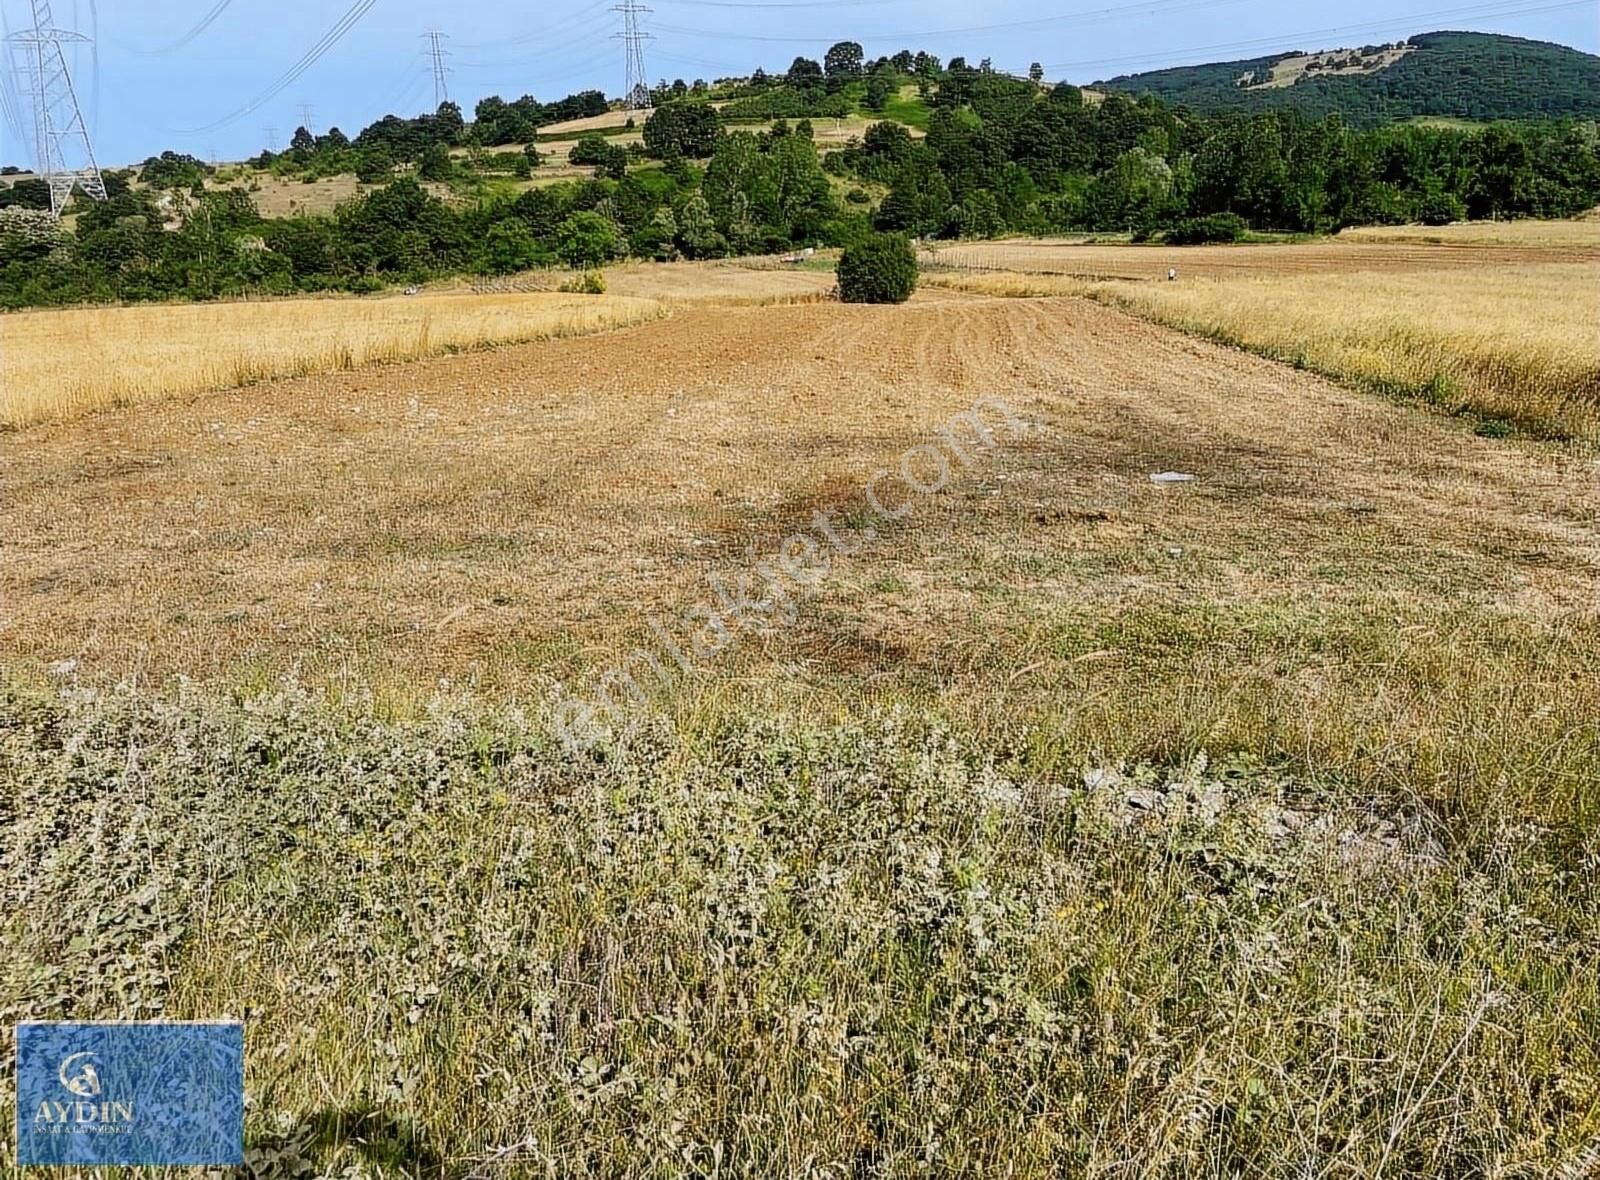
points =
(1000, 155)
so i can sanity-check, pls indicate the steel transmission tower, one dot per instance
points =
(637, 95)
(61, 137)
(441, 87)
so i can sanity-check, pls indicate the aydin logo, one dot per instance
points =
(80, 1079)
(85, 1082)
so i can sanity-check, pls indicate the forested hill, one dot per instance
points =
(1478, 76)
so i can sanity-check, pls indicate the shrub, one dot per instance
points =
(509, 246)
(587, 240)
(1438, 207)
(374, 166)
(173, 170)
(1201, 231)
(688, 129)
(436, 164)
(613, 163)
(590, 282)
(590, 150)
(880, 269)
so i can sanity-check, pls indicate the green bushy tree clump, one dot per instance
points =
(687, 129)
(587, 240)
(881, 268)
(1210, 230)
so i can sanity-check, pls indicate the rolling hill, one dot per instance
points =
(1476, 76)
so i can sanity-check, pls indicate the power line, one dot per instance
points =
(306, 113)
(1480, 10)
(1068, 18)
(562, 52)
(572, 69)
(312, 56)
(205, 23)
(580, 17)
(9, 101)
(408, 87)
(787, 4)
(1104, 14)
(732, 67)
(94, 66)
(583, 36)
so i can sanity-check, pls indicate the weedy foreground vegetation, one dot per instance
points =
(1080, 825)
(773, 949)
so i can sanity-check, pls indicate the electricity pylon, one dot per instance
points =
(441, 72)
(61, 137)
(637, 95)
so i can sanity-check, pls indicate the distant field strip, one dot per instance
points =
(1577, 234)
(61, 364)
(1516, 343)
(1539, 242)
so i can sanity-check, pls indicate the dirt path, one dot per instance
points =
(514, 515)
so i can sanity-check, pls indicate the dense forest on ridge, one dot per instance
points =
(955, 151)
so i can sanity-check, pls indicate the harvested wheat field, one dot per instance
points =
(608, 121)
(1515, 346)
(1339, 256)
(986, 806)
(1575, 234)
(517, 517)
(743, 283)
(61, 364)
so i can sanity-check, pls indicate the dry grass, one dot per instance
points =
(604, 122)
(1522, 348)
(277, 196)
(1293, 70)
(1578, 234)
(520, 514)
(754, 282)
(1009, 285)
(1516, 344)
(769, 950)
(61, 364)
(1066, 256)
(794, 925)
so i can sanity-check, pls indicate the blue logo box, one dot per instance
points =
(146, 1094)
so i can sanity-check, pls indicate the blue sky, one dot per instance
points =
(143, 92)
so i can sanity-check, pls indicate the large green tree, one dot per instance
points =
(843, 62)
(587, 239)
(688, 129)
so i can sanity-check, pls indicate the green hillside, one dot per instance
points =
(1478, 76)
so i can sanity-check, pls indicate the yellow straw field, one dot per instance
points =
(1574, 234)
(1513, 343)
(60, 364)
